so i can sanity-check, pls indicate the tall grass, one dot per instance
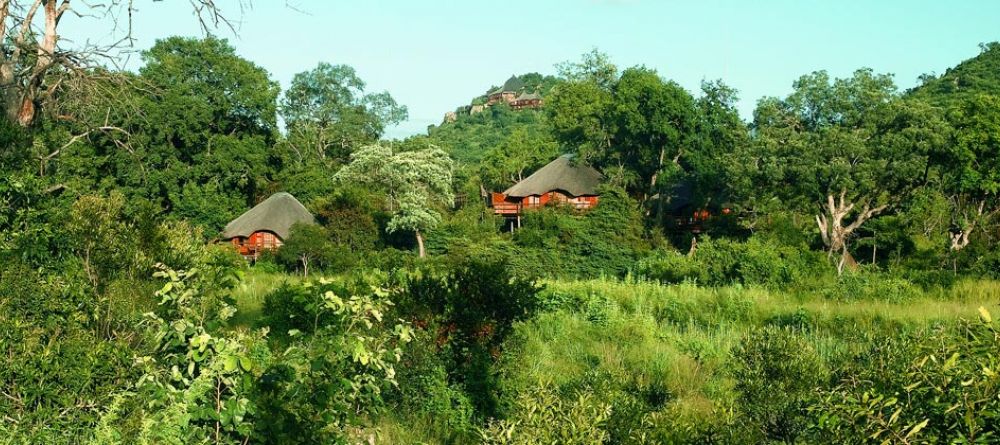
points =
(249, 294)
(674, 341)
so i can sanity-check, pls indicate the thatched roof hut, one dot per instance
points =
(561, 181)
(276, 215)
(562, 174)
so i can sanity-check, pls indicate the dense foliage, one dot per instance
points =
(820, 274)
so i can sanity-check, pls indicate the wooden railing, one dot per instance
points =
(506, 208)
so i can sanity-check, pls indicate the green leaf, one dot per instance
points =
(229, 364)
(985, 315)
(916, 428)
(246, 364)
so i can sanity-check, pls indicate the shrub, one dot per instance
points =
(425, 391)
(326, 382)
(757, 261)
(775, 372)
(605, 241)
(948, 393)
(295, 306)
(866, 284)
(473, 308)
(671, 267)
(307, 247)
(541, 416)
(54, 377)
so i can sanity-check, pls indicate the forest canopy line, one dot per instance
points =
(825, 272)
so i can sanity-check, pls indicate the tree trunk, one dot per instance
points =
(305, 266)
(659, 166)
(834, 233)
(420, 244)
(960, 238)
(20, 100)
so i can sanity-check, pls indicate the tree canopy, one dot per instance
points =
(328, 113)
(842, 148)
(415, 184)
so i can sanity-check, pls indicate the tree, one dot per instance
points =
(579, 113)
(209, 120)
(328, 113)
(307, 243)
(635, 127)
(519, 153)
(223, 92)
(654, 119)
(971, 166)
(719, 135)
(34, 66)
(842, 148)
(414, 183)
(594, 67)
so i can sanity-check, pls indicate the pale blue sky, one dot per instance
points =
(436, 55)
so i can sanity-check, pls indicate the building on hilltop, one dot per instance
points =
(561, 181)
(505, 93)
(526, 100)
(267, 225)
(515, 93)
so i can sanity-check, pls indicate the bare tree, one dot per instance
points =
(34, 65)
(832, 228)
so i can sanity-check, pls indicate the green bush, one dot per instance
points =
(295, 306)
(776, 372)
(541, 416)
(424, 390)
(307, 248)
(757, 261)
(605, 241)
(58, 380)
(671, 266)
(939, 387)
(471, 309)
(865, 284)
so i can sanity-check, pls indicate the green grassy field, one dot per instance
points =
(672, 343)
(675, 342)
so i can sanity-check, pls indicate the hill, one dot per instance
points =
(980, 74)
(470, 131)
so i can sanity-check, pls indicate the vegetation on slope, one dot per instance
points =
(121, 322)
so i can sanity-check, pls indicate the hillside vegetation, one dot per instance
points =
(826, 273)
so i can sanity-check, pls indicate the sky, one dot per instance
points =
(434, 56)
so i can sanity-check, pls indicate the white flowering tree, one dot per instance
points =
(416, 184)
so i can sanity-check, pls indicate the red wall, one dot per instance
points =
(257, 242)
(582, 202)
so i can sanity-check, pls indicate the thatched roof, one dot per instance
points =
(275, 214)
(528, 96)
(561, 174)
(513, 84)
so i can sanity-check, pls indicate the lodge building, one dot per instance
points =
(267, 225)
(514, 93)
(561, 181)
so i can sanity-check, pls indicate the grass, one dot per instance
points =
(643, 337)
(677, 303)
(668, 345)
(249, 294)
